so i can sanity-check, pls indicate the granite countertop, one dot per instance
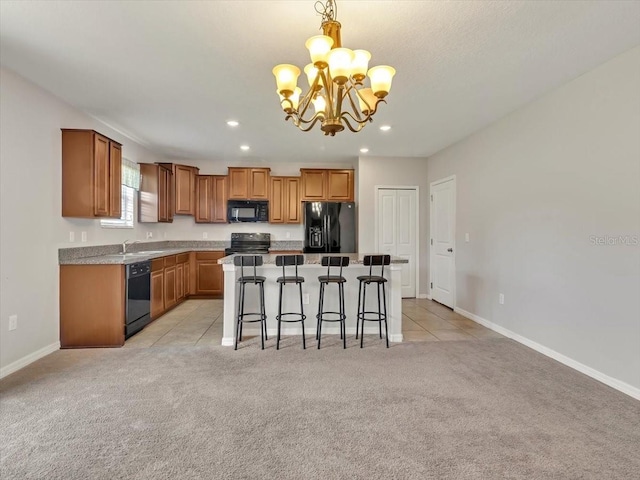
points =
(134, 257)
(315, 258)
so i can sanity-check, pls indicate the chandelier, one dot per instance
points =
(337, 94)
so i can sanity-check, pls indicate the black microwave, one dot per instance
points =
(247, 211)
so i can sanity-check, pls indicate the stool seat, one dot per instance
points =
(372, 279)
(291, 279)
(252, 279)
(331, 279)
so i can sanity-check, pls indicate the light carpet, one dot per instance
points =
(489, 409)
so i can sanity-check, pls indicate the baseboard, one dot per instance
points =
(569, 362)
(423, 295)
(32, 357)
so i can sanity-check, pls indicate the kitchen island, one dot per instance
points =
(311, 269)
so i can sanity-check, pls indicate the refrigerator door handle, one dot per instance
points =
(330, 242)
(325, 233)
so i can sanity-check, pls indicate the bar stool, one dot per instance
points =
(288, 261)
(339, 280)
(379, 281)
(250, 261)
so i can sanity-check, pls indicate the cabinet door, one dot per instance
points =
(184, 191)
(157, 293)
(340, 185)
(313, 185)
(163, 188)
(291, 201)
(259, 184)
(204, 198)
(169, 287)
(187, 279)
(179, 281)
(115, 175)
(101, 176)
(219, 210)
(278, 200)
(238, 183)
(209, 279)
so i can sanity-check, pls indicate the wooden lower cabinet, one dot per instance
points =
(157, 293)
(170, 298)
(209, 280)
(180, 282)
(92, 306)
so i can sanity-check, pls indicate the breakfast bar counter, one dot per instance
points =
(311, 269)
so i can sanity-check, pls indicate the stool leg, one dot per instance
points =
(239, 315)
(320, 306)
(379, 312)
(262, 323)
(304, 340)
(319, 315)
(263, 311)
(364, 307)
(279, 317)
(386, 325)
(343, 320)
(358, 313)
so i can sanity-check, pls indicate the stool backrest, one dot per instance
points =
(378, 261)
(289, 261)
(248, 261)
(335, 262)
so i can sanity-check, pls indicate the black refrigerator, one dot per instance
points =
(329, 227)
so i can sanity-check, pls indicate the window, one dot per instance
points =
(126, 220)
(130, 183)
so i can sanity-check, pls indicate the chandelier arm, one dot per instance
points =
(306, 101)
(371, 110)
(353, 105)
(329, 89)
(344, 118)
(311, 122)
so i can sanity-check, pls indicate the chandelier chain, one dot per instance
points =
(328, 10)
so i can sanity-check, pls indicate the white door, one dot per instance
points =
(443, 197)
(397, 232)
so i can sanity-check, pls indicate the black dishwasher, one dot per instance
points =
(138, 295)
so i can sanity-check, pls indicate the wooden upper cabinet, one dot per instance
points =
(284, 206)
(155, 198)
(314, 184)
(211, 199)
(340, 185)
(327, 185)
(91, 178)
(184, 189)
(248, 183)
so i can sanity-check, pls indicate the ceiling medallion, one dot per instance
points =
(337, 95)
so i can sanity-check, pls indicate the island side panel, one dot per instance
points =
(230, 301)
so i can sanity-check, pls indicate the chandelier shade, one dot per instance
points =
(337, 96)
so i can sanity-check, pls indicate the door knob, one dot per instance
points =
(449, 249)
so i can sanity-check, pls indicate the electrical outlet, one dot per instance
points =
(501, 299)
(72, 237)
(466, 237)
(205, 235)
(288, 235)
(83, 237)
(149, 235)
(305, 298)
(13, 322)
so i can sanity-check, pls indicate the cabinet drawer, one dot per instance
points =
(209, 255)
(157, 264)
(169, 261)
(182, 258)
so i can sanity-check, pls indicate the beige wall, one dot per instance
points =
(31, 226)
(397, 172)
(532, 190)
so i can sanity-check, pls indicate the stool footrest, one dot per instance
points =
(302, 316)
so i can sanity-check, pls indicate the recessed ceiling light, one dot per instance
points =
(385, 128)
(244, 147)
(233, 123)
(364, 150)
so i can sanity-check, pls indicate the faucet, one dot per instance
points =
(127, 242)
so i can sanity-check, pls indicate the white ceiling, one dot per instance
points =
(170, 74)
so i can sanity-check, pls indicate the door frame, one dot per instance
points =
(431, 249)
(415, 188)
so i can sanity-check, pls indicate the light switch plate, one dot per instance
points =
(501, 299)
(13, 322)
(466, 237)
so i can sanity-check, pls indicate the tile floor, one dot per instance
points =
(199, 322)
